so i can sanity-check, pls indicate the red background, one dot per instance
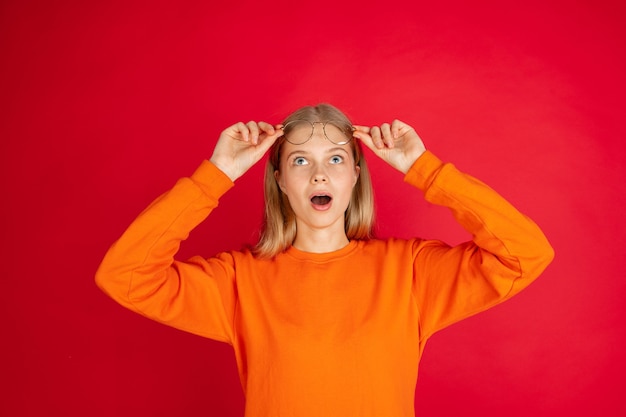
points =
(105, 104)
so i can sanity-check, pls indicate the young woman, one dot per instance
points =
(323, 318)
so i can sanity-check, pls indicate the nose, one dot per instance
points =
(318, 178)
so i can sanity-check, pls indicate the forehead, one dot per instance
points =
(316, 147)
(318, 144)
(305, 128)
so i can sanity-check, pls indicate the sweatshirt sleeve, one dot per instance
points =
(506, 253)
(139, 271)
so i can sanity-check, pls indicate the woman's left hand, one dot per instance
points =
(397, 143)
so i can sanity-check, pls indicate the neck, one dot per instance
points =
(320, 241)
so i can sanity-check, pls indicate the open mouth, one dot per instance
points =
(321, 200)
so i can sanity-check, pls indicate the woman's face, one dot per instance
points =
(317, 177)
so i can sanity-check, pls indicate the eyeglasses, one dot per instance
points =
(298, 132)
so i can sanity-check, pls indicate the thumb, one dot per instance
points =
(365, 138)
(266, 142)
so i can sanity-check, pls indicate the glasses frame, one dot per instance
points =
(335, 123)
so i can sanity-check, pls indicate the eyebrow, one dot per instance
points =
(331, 150)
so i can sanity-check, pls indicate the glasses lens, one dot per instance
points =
(298, 132)
(337, 132)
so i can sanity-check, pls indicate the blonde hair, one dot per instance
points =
(279, 227)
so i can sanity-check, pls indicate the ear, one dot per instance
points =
(357, 172)
(279, 181)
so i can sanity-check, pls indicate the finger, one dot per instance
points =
(398, 128)
(385, 129)
(377, 137)
(266, 128)
(242, 130)
(279, 129)
(365, 138)
(364, 129)
(267, 141)
(254, 132)
(269, 133)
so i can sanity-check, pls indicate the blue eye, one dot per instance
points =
(300, 161)
(336, 159)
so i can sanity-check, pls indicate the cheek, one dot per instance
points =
(349, 175)
(346, 185)
(292, 181)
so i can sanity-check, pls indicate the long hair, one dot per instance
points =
(279, 227)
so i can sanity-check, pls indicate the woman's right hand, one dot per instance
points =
(242, 145)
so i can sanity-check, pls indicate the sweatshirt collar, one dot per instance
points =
(322, 257)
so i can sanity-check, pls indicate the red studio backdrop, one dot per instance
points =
(105, 104)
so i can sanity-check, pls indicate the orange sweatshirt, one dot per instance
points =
(333, 334)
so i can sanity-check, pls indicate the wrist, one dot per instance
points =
(226, 168)
(408, 164)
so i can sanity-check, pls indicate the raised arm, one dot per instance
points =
(140, 271)
(506, 253)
